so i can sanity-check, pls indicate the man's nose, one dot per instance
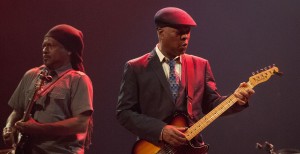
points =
(44, 49)
(184, 36)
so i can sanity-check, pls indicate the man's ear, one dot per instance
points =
(159, 30)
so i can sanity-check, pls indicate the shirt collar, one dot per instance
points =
(162, 58)
(59, 71)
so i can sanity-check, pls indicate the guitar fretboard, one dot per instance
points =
(228, 102)
(212, 115)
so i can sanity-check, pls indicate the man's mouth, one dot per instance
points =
(45, 57)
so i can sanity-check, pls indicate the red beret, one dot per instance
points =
(172, 16)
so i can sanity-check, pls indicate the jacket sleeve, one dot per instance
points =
(128, 110)
(211, 96)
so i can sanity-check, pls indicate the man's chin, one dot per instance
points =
(182, 52)
(47, 64)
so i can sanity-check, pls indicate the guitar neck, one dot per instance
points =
(28, 110)
(212, 115)
(32, 99)
(254, 80)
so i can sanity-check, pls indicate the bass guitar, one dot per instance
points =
(145, 147)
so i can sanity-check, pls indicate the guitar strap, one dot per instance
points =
(50, 87)
(189, 83)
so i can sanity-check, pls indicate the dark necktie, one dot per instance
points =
(174, 85)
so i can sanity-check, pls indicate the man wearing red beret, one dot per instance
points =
(156, 86)
(53, 103)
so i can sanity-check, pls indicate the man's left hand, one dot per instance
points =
(243, 93)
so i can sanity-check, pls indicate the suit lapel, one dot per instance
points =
(158, 70)
(183, 72)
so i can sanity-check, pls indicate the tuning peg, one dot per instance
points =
(278, 73)
(253, 73)
(259, 146)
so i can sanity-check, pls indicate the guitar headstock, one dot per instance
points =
(264, 75)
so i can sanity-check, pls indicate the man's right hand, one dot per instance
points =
(8, 135)
(174, 135)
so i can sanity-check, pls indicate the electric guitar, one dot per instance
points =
(19, 147)
(144, 147)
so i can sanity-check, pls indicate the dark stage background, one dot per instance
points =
(237, 36)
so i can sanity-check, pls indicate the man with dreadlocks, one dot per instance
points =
(61, 118)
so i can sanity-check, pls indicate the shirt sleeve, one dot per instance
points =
(82, 95)
(22, 92)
